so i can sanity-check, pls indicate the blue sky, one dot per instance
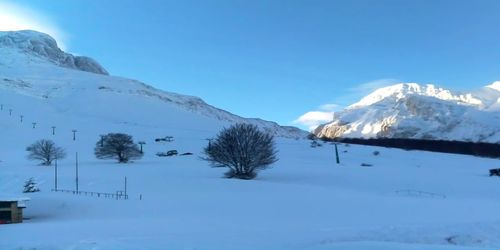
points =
(277, 60)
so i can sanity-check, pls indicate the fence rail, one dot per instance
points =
(419, 193)
(119, 195)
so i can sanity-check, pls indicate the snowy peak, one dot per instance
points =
(402, 90)
(410, 110)
(44, 46)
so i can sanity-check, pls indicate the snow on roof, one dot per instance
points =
(10, 199)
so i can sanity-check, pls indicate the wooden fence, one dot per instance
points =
(418, 193)
(119, 195)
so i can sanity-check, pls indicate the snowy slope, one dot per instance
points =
(304, 202)
(31, 65)
(410, 110)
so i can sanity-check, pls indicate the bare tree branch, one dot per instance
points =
(45, 151)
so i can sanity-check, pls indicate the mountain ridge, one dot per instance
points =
(24, 71)
(43, 45)
(415, 111)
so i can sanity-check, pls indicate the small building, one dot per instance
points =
(11, 210)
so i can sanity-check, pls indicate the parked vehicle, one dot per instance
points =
(172, 152)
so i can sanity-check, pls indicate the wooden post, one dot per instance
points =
(53, 130)
(74, 134)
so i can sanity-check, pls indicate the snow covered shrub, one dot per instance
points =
(376, 153)
(45, 151)
(117, 146)
(243, 149)
(30, 186)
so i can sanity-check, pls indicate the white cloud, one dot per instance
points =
(313, 119)
(14, 17)
(330, 107)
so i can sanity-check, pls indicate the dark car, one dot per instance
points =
(172, 152)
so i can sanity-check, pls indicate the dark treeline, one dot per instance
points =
(456, 147)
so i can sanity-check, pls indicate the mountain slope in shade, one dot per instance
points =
(410, 110)
(32, 67)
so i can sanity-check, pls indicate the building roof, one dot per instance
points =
(12, 199)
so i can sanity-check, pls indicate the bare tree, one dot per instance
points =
(117, 146)
(243, 149)
(45, 151)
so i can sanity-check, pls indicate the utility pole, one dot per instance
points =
(125, 187)
(53, 130)
(74, 134)
(337, 154)
(34, 124)
(55, 175)
(77, 172)
(141, 143)
(21, 118)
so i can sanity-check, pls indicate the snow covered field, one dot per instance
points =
(305, 202)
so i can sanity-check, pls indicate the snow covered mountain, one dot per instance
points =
(31, 65)
(42, 45)
(410, 110)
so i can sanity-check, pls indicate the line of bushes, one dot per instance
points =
(491, 150)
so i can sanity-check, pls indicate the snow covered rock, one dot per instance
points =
(42, 45)
(410, 110)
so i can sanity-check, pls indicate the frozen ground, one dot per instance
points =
(305, 201)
